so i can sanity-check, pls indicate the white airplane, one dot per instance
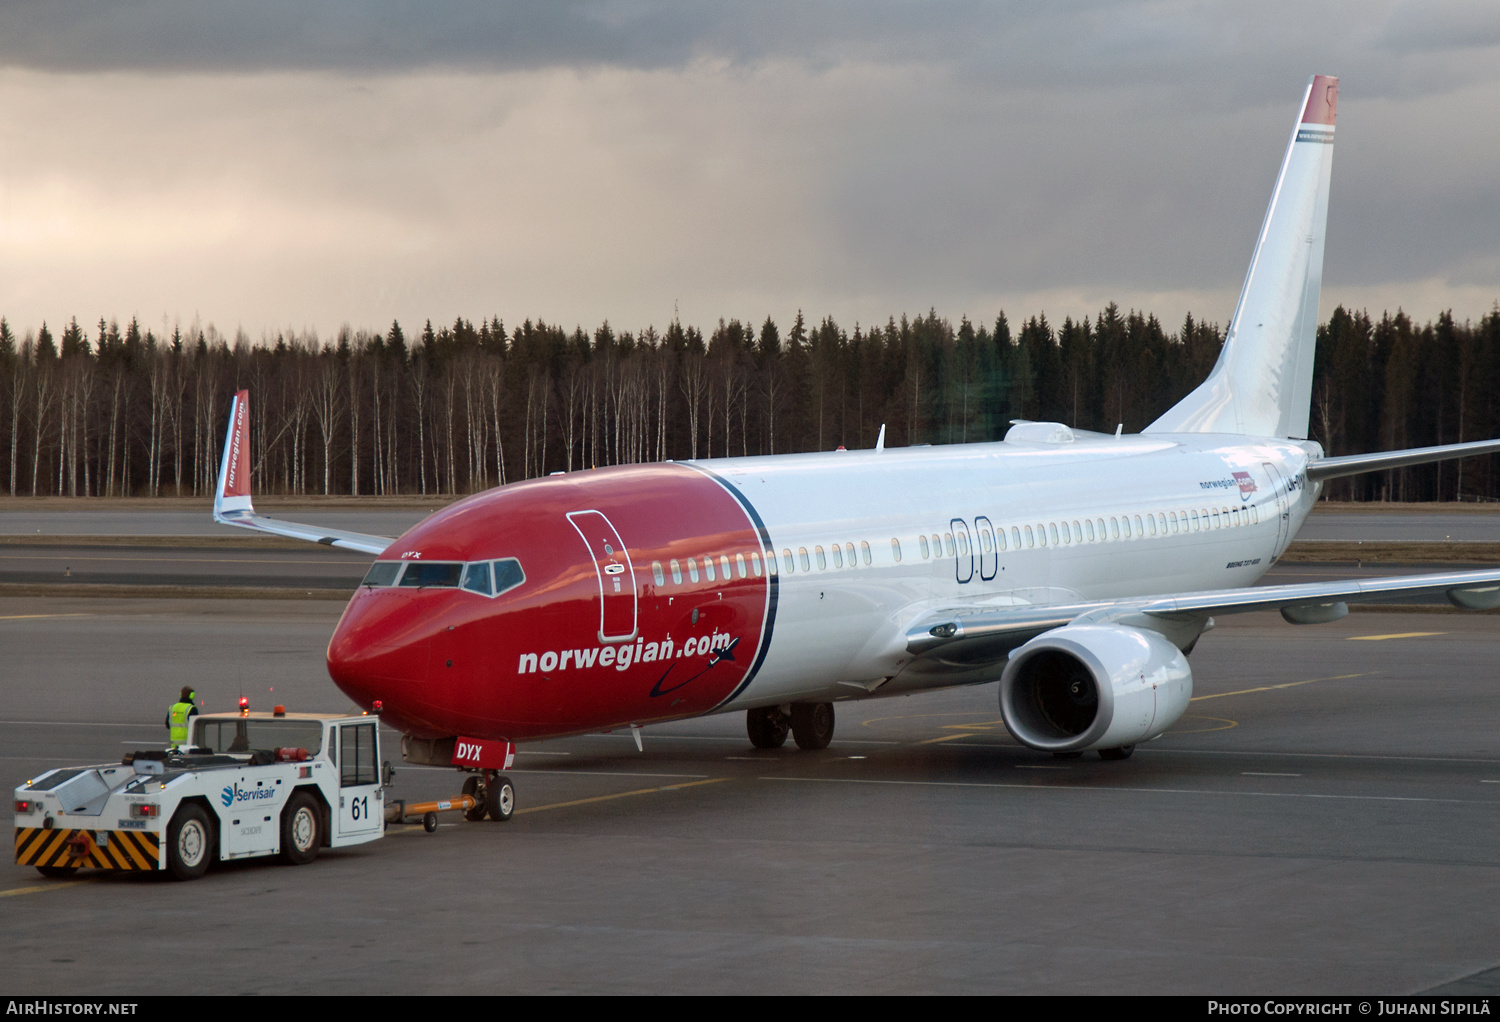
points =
(1079, 569)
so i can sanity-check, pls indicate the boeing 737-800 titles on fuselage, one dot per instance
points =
(1077, 568)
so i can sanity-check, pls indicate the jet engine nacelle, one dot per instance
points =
(1094, 687)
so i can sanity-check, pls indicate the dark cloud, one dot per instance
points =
(1246, 52)
(392, 36)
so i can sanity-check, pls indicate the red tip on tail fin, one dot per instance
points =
(1322, 101)
(237, 459)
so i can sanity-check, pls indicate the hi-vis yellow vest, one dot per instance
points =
(177, 727)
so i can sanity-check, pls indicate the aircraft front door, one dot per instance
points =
(617, 593)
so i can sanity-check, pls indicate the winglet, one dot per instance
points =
(233, 493)
(232, 504)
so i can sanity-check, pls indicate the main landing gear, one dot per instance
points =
(494, 796)
(810, 724)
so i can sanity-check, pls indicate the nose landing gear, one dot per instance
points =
(494, 796)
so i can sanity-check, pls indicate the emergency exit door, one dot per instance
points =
(617, 594)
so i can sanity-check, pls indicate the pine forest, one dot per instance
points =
(124, 411)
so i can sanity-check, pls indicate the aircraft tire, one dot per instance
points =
(812, 725)
(474, 787)
(767, 727)
(190, 843)
(1123, 752)
(500, 798)
(301, 830)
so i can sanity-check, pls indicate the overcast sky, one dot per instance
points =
(303, 165)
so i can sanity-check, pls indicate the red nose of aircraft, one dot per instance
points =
(381, 650)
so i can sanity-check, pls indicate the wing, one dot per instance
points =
(232, 504)
(979, 633)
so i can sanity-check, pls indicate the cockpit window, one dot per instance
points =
(477, 578)
(382, 573)
(431, 575)
(487, 578)
(508, 575)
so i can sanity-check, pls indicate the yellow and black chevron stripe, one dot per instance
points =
(120, 849)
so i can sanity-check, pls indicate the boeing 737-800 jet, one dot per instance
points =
(1079, 569)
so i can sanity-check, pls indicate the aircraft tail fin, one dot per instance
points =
(1262, 383)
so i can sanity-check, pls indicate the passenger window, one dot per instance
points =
(1114, 528)
(724, 567)
(1254, 515)
(963, 544)
(849, 553)
(937, 546)
(755, 565)
(676, 572)
(708, 569)
(1052, 530)
(948, 543)
(382, 573)
(1000, 538)
(925, 552)
(508, 575)
(1151, 524)
(692, 566)
(986, 541)
(1030, 540)
(771, 566)
(788, 564)
(1090, 523)
(657, 573)
(822, 559)
(739, 564)
(838, 556)
(431, 574)
(896, 549)
(1140, 530)
(864, 548)
(1015, 534)
(477, 578)
(802, 556)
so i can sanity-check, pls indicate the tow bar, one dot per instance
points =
(399, 810)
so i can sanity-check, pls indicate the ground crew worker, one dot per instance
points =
(178, 715)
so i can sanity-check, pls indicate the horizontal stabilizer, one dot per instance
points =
(1355, 464)
(233, 506)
